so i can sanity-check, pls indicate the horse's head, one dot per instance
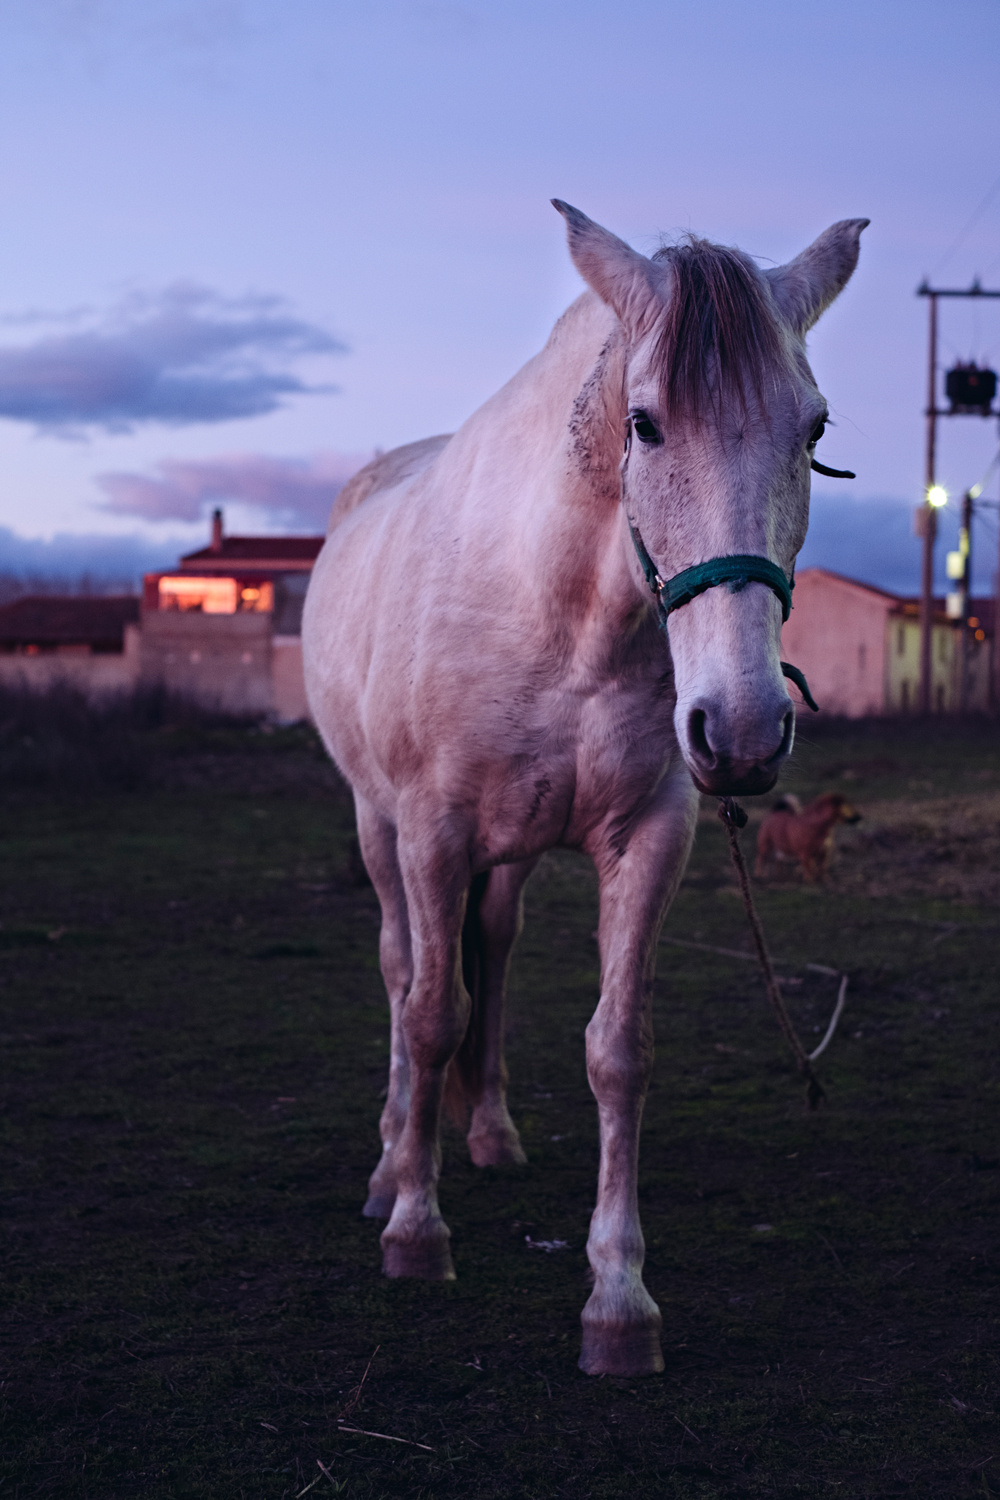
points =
(720, 416)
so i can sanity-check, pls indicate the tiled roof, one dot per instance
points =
(857, 583)
(258, 551)
(51, 620)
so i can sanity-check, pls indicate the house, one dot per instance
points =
(92, 642)
(225, 626)
(859, 647)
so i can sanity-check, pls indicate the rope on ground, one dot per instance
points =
(733, 819)
(838, 1008)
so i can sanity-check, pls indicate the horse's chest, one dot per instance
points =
(524, 808)
(599, 760)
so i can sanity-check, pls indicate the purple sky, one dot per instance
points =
(244, 244)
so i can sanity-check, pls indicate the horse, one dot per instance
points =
(553, 629)
(793, 832)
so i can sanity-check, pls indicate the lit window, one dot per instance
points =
(259, 599)
(210, 596)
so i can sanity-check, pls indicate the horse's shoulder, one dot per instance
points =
(385, 471)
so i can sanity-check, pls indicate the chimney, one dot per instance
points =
(216, 542)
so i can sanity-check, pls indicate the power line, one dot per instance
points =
(958, 240)
(977, 489)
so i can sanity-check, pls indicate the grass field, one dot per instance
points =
(195, 1042)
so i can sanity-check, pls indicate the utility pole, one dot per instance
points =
(933, 497)
(995, 695)
(930, 519)
(965, 592)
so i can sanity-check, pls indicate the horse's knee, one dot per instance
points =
(619, 1062)
(434, 1025)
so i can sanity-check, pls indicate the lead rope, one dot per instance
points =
(733, 818)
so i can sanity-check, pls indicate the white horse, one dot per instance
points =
(484, 663)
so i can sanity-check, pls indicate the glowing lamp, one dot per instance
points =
(937, 496)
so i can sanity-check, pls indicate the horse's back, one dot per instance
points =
(384, 473)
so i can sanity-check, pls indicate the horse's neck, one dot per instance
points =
(556, 431)
(563, 403)
(583, 364)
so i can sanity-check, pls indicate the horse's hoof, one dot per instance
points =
(633, 1350)
(430, 1260)
(379, 1206)
(496, 1150)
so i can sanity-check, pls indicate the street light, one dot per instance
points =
(937, 496)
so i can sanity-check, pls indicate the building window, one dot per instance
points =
(215, 596)
(942, 646)
(901, 640)
(862, 655)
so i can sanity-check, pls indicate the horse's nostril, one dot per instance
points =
(698, 739)
(786, 739)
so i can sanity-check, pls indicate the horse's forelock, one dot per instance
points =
(718, 336)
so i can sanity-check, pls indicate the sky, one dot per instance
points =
(243, 244)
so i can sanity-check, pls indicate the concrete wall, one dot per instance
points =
(290, 703)
(223, 662)
(227, 662)
(836, 635)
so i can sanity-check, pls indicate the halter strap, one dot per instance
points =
(737, 570)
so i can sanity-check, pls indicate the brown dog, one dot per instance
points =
(793, 832)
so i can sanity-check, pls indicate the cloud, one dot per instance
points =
(72, 561)
(296, 492)
(179, 356)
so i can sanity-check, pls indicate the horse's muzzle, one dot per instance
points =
(735, 779)
(722, 774)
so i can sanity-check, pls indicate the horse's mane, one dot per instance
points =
(719, 337)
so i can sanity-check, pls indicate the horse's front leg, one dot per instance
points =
(434, 1020)
(621, 1322)
(377, 837)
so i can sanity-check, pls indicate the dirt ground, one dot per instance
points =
(194, 1032)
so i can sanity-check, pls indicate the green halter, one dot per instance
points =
(736, 571)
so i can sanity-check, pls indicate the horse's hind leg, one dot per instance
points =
(492, 922)
(377, 838)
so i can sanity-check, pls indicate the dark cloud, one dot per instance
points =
(79, 561)
(181, 356)
(288, 491)
(872, 539)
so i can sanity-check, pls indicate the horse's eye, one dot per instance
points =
(645, 430)
(817, 432)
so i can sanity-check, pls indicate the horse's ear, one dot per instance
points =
(620, 276)
(808, 284)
